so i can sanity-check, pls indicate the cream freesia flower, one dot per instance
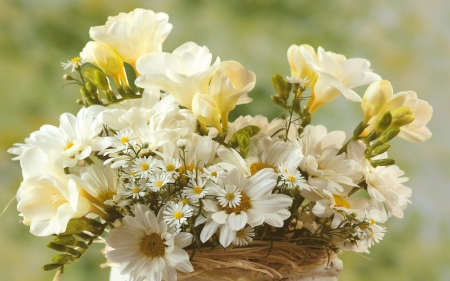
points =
(375, 98)
(47, 198)
(106, 59)
(133, 34)
(299, 67)
(206, 110)
(147, 249)
(182, 74)
(417, 130)
(336, 75)
(229, 83)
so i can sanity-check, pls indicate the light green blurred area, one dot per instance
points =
(407, 42)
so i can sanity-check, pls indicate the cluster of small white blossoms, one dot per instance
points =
(159, 167)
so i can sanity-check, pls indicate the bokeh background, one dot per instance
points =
(407, 42)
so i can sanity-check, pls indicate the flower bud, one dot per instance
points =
(68, 240)
(75, 226)
(375, 98)
(383, 122)
(282, 87)
(388, 135)
(63, 259)
(401, 116)
(382, 162)
(380, 149)
(106, 59)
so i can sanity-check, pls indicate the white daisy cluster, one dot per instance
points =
(158, 164)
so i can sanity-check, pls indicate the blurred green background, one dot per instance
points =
(408, 43)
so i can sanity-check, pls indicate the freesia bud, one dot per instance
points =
(375, 98)
(383, 122)
(205, 109)
(389, 134)
(402, 116)
(106, 59)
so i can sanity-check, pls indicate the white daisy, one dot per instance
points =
(143, 166)
(170, 165)
(176, 214)
(244, 236)
(158, 181)
(214, 173)
(134, 190)
(257, 205)
(340, 206)
(146, 248)
(291, 177)
(196, 189)
(229, 196)
(75, 63)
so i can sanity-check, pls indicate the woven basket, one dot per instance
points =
(286, 261)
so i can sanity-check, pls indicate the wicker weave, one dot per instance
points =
(286, 261)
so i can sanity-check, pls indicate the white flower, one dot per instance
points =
(170, 165)
(182, 74)
(100, 182)
(75, 63)
(336, 75)
(196, 189)
(297, 80)
(206, 110)
(244, 236)
(257, 205)
(176, 214)
(76, 138)
(158, 181)
(291, 176)
(369, 230)
(146, 247)
(264, 153)
(143, 166)
(229, 196)
(337, 204)
(47, 198)
(133, 34)
(214, 173)
(326, 169)
(386, 189)
(134, 190)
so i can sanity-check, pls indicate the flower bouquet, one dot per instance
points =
(156, 171)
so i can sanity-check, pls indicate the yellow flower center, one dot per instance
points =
(170, 167)
(158, 183)
(229, 196)
(213, 174)
(178, 215)
(144, 167)
(340, 201)
(135, 190)
(243, 206)
(153, 246)
(184, 201)
(291, 178)
(124, 140)
(258, 166)
(371, 221)
(75, 60)
(107, 195)
(132, 174)
(69, 145)
(198, 189)
(241, 233)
